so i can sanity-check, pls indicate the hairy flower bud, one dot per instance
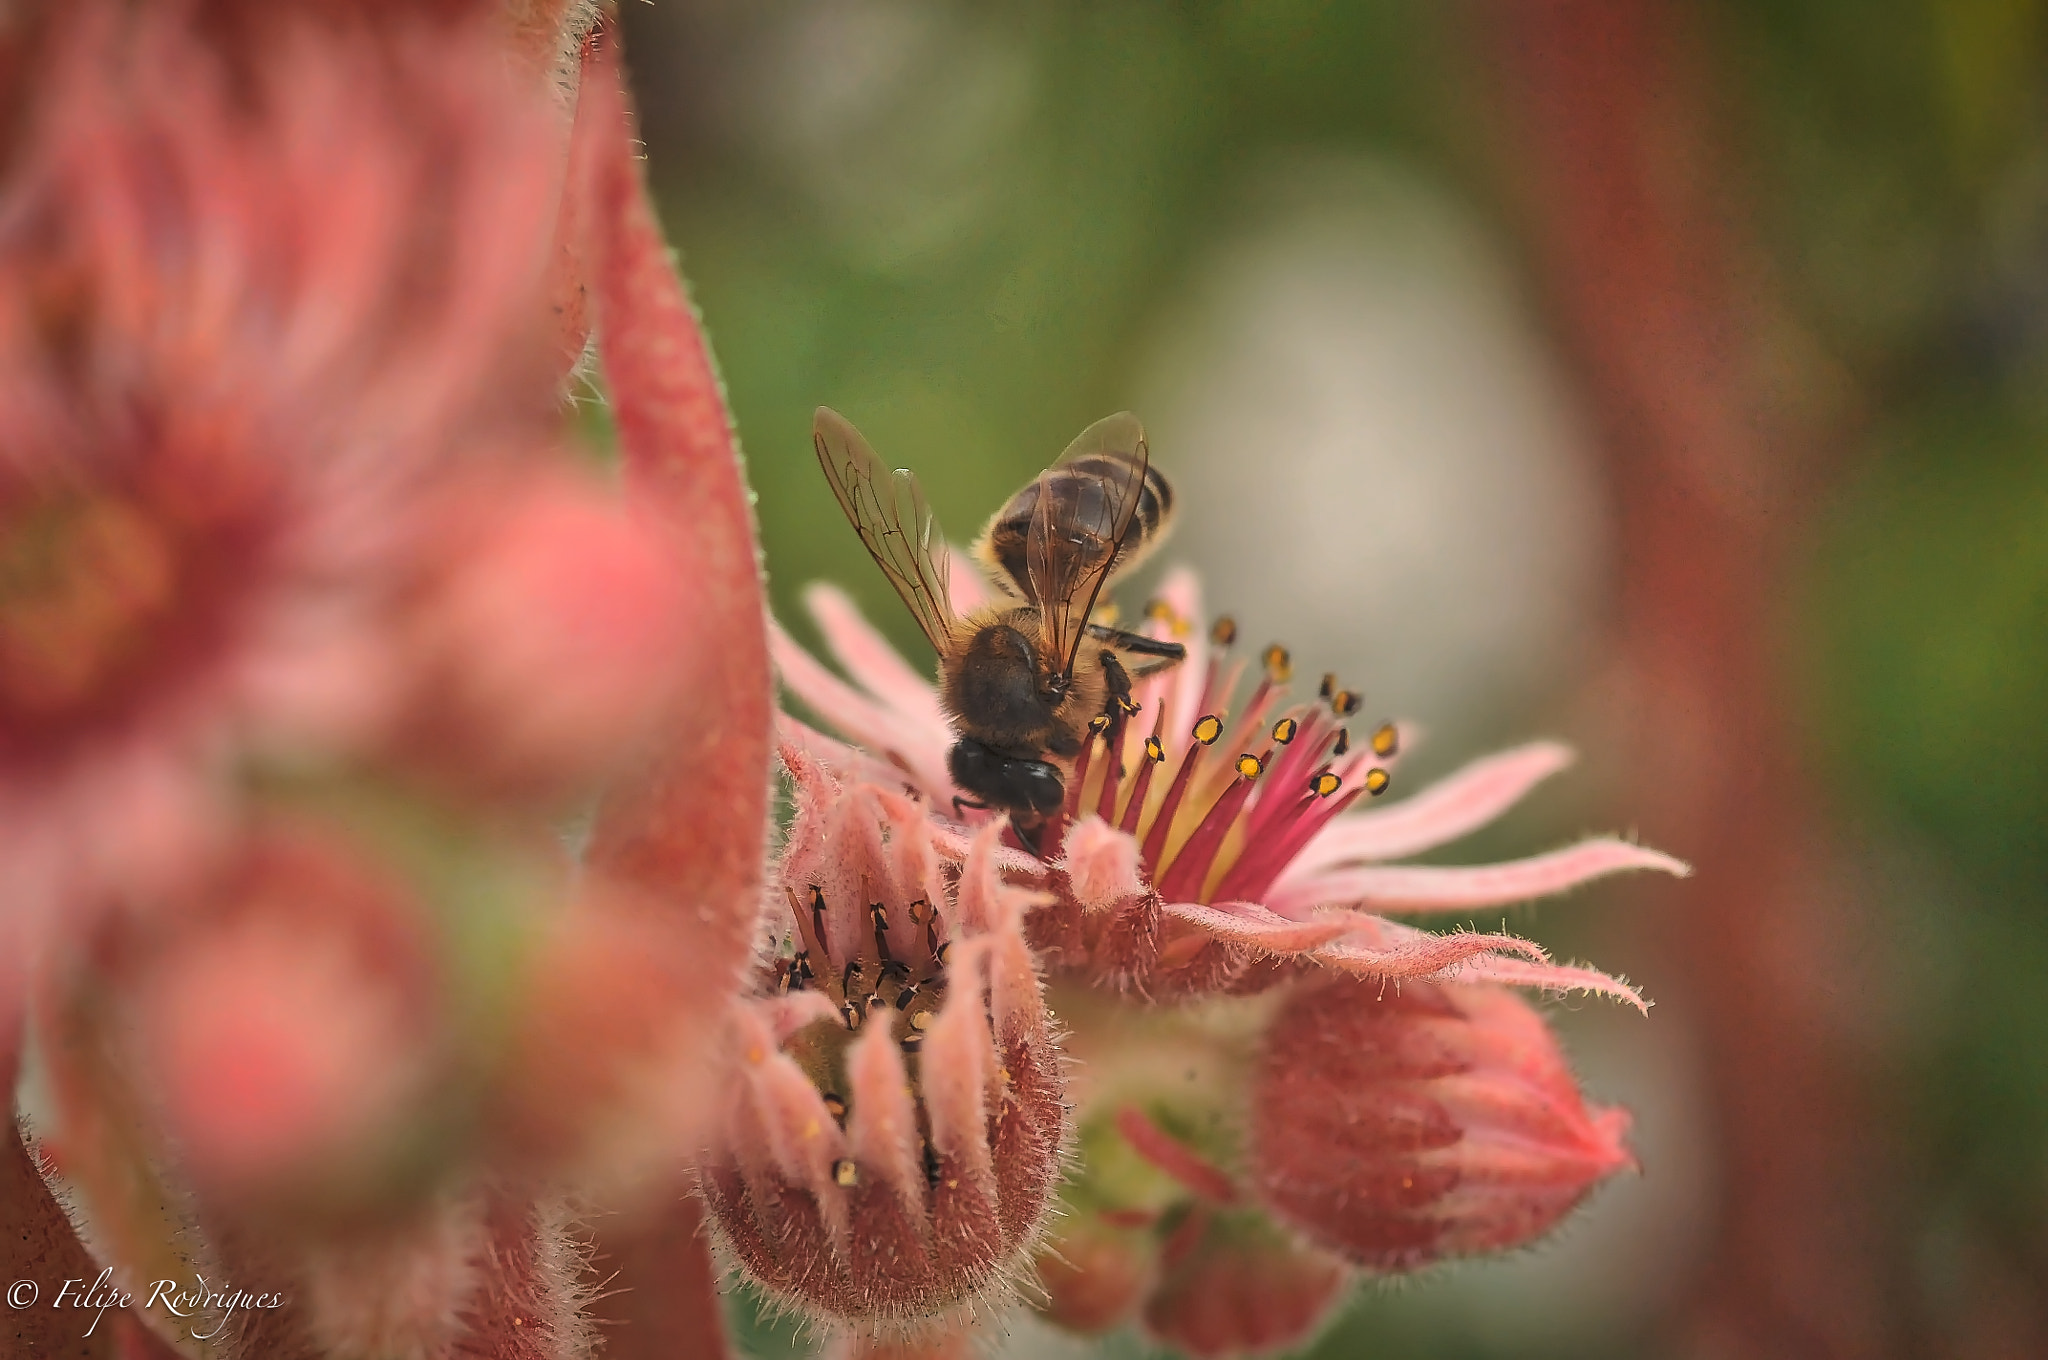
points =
(897, 1131)
(1232, 1284)
(1402, 1127)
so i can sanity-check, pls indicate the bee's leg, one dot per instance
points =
(959, 802)
(1120, 702)
(1031, 837)
(1153, 654)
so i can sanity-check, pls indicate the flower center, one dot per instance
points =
(1245, 791)
(891, 973)
(86, 584)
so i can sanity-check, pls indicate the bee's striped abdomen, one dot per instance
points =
(1084, 503)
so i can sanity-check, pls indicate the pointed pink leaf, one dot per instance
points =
(1249, 924)
(1433, 888)
(1446, 810)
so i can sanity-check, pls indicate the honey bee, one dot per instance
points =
(1027, 681)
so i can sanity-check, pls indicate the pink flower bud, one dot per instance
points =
(1233, 1285)
(896, 1133)
(1095, 1273)
(1402, 1127)
(286, 1027)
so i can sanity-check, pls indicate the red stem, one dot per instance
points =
(1665, 303)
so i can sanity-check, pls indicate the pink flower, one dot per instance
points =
(901, 1116)
(1218, 850)
(1210, 848)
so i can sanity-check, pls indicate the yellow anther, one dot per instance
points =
(1208, 729)
(1284, 730)
(1386, 740)
(1344, 703)
(1159, 611)
(1153, 750)
(1106, 614)
(1279, 665)
(1343, 742)
(845, 1174)
(1376, 781)
(1099, 724)
(1248, 765)
(1325, 784)
(921, 1020)
(1223, 632)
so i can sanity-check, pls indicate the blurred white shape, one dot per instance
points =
(898, 122)
(1379, 462)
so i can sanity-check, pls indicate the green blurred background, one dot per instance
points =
(1301, 240)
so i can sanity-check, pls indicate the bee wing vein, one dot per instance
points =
(896, 526)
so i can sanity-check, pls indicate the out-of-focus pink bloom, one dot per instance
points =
(1214, 849)
(1401, 1127)
(291, 1017)
(278, 478)
(1233, 1285)
(224, 376)
(546, 640)
(900, 1120)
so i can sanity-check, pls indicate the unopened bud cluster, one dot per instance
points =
(901, 1115)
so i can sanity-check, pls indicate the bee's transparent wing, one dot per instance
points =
(1086, 503)
(888, 510)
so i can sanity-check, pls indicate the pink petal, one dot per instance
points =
(832, 760)
(1101, 864)
(965, 583)
(1551, 977)
(958, 1062)
(1182, 589)
(785, 1015)
(953, 844)
(1249, 924)
(1444, 811)
(1394, 951)
(920, 749)
(1432, 888)
(882, 1128)
(875, 665)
